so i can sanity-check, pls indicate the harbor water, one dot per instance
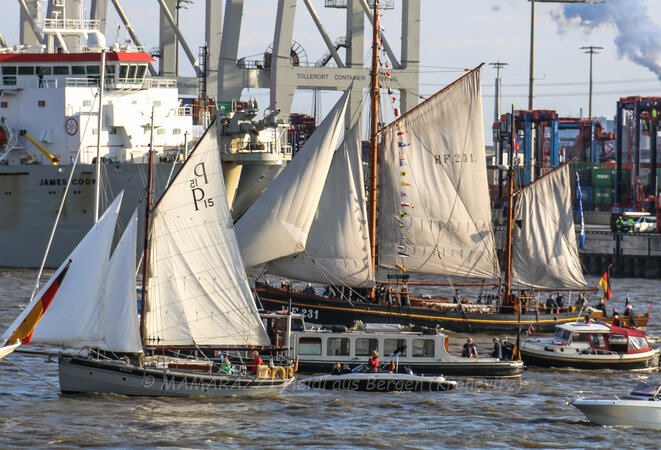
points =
(525, 412)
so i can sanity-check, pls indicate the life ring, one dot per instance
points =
(279, 371)
(290, 372)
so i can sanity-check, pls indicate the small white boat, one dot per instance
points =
(641, 408)
(591, 346)
(380, 382)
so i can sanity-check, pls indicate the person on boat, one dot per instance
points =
(602, 307)
(267, 283)
(457, 297)
(256, 361)
(345, 369)
(309, 290)
(560, 302)
(581, 301)
(337, 369)
(226, 367)
(407, 370)
(616, 319)
(373, 362)
(628, 312)
(551, 305)
(497, 348)
(470, 349)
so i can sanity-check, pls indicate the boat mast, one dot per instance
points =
(148, 213)
(99, 122)
(374, 123)
(510, 199)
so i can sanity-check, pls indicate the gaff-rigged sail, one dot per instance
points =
(278, 223)
(198, 289)
(434, 208)
(544, 251)
(337, 249)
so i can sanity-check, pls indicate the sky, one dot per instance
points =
(459, 34)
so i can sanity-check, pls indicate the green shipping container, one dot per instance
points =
(603, 195)
(603, 177)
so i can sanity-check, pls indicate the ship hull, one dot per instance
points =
(343, 312)
(31, 196)
(82, 375)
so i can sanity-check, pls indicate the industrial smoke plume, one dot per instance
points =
(638, 37)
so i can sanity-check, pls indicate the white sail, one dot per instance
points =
(119, 313)
(338, 246)
(72, 318)
(434, 208)
(544, 251)
(279, 221)
(198, 289)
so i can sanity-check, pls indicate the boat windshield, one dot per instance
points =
(562, 334)
(646, 389)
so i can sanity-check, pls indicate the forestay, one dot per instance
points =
(198, 292)
(434, 208)
(279, 221)
(337, 249)
(544, 251)
(72, 320)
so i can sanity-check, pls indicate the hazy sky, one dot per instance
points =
(462, 34)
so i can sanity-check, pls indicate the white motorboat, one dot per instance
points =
(591, 346)
(641, 408)
(380, 382)
(319, 348)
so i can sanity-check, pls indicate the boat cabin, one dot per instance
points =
(599, 338)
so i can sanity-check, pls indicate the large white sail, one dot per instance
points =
(118, 315)
(279, 221)
(198, 289)
(338, 249)
(544, 251)
(72, 318)
(434, 208)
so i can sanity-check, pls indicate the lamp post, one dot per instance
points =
(592, 49)
(531, 82)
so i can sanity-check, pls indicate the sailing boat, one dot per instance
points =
(434, 218)
(198, 299)
(22, 335)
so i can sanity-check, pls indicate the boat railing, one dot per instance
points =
(152, 83)
(69, 24)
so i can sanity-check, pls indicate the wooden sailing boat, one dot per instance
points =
(198, 298)
(434, 218)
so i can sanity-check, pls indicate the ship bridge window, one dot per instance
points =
(423, 348)
(44, 70)
(365, 346)
(25, 70)
(92, 70)
(77, 70)
(337, 347)
(123, 70)
(9, 75)
(580, 337)
(9, 70)
(132, 71)
(390, 346)
(176, 131)
(110, 68)
(597, 340)
(141, 71)
(61, 70)
(309, 346)
(637, 343)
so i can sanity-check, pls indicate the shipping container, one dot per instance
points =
(603, 177)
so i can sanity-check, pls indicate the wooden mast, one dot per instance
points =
(374, 123)
(148, 211)
(510, 198)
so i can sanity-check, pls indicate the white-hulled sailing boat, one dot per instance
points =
(198, 298)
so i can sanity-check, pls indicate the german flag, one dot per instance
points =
(26, 328)
(605, 284)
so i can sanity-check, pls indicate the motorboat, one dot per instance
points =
(318, 348)
(591, 346)
(641, 408)
(380, 382)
